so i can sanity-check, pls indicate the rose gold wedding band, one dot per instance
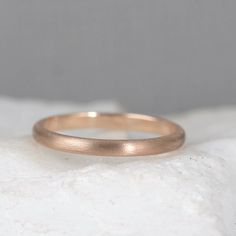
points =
(171, 137)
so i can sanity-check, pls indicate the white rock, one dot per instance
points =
(189, 192)
(18, 116)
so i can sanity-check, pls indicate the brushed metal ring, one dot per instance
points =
(172, 136)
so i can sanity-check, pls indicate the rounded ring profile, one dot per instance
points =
(172, 136)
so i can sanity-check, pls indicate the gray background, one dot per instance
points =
(153, 56)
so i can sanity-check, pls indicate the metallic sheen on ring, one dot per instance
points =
(171, 137)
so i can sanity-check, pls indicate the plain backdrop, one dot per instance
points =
(153, 56)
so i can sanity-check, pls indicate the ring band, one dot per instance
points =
(172, 135)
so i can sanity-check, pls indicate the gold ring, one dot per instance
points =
(171, 137)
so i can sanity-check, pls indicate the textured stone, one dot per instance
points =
(189, 192)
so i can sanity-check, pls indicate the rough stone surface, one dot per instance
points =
(189, 192)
